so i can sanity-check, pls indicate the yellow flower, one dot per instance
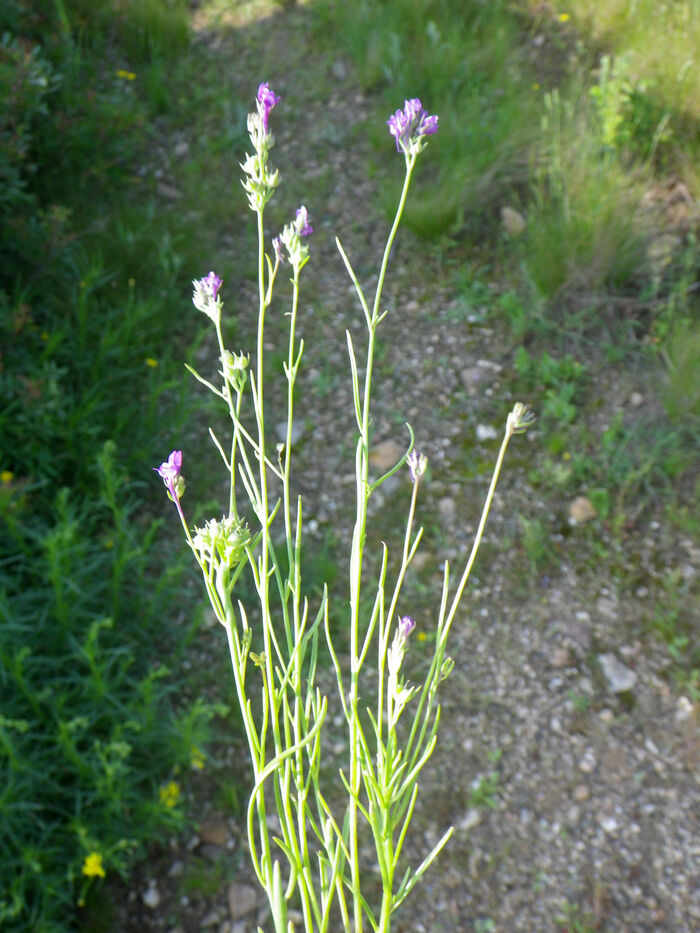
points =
(197, 759)
(92, 866)
(564, 17)
(6, 477)
(169, 794)
(108, 544)
(421, 636)
(566, 455)
(536, 86)
(127, 75)
(151, 362)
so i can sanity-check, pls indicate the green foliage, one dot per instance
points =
(92, 732)
(681, 393)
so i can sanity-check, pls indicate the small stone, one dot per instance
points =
(513, 221)
(582, 510)
(210, 919)
(339, 69)
(684, 709)
(182, 149)
(386, 455)
(447, 508)
(475, 377)
(298, 431)
(619, 677)
(486, 432)
(242, 899)
(581, 793)
(561, 657)
(636, 400)
(168, 192)
(609, 824)
(176, 869)
(151, 896)
(470, 819)
(588, 763)
(214, 832)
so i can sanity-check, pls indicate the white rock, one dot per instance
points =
(486, 432)
(619, 677)
(151, 896)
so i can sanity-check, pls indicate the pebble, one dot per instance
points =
(513, 221)
(588, 762)
(386, 455)
(151, 896)
(582, 510)
(619, 677)
(486, 432)
(447, 508)
(581, 793)
(214, 832)
(298, 431)
(242, 899)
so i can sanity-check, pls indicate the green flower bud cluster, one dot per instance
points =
(222, 542)
(234, 366)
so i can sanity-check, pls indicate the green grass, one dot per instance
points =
(94, 312)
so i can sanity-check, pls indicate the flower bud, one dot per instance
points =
(520, 419)
(417, 464)
(234, 366)
(222, 541)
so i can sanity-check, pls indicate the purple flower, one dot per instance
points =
(211, 284)
(266, 101)
(302, 227)
(169, 471)
(409, 125)
(405, 627)
(277, 243)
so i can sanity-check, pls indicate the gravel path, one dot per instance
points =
(567, 759)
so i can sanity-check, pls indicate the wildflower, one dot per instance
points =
(302, 226)
(6, 477)
(266, 100)
(169, 472)
(405, 627)
(520, 419)
(197, 759)
(127, 75)
(417, 464)
(410, 125)
(277, 244)
(422, 636)
(169, 794)
(205, 296)
(564, 17)
(92, 866)
(291, 238)
(150, 361)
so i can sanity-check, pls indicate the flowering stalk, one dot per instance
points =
(315, 857)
